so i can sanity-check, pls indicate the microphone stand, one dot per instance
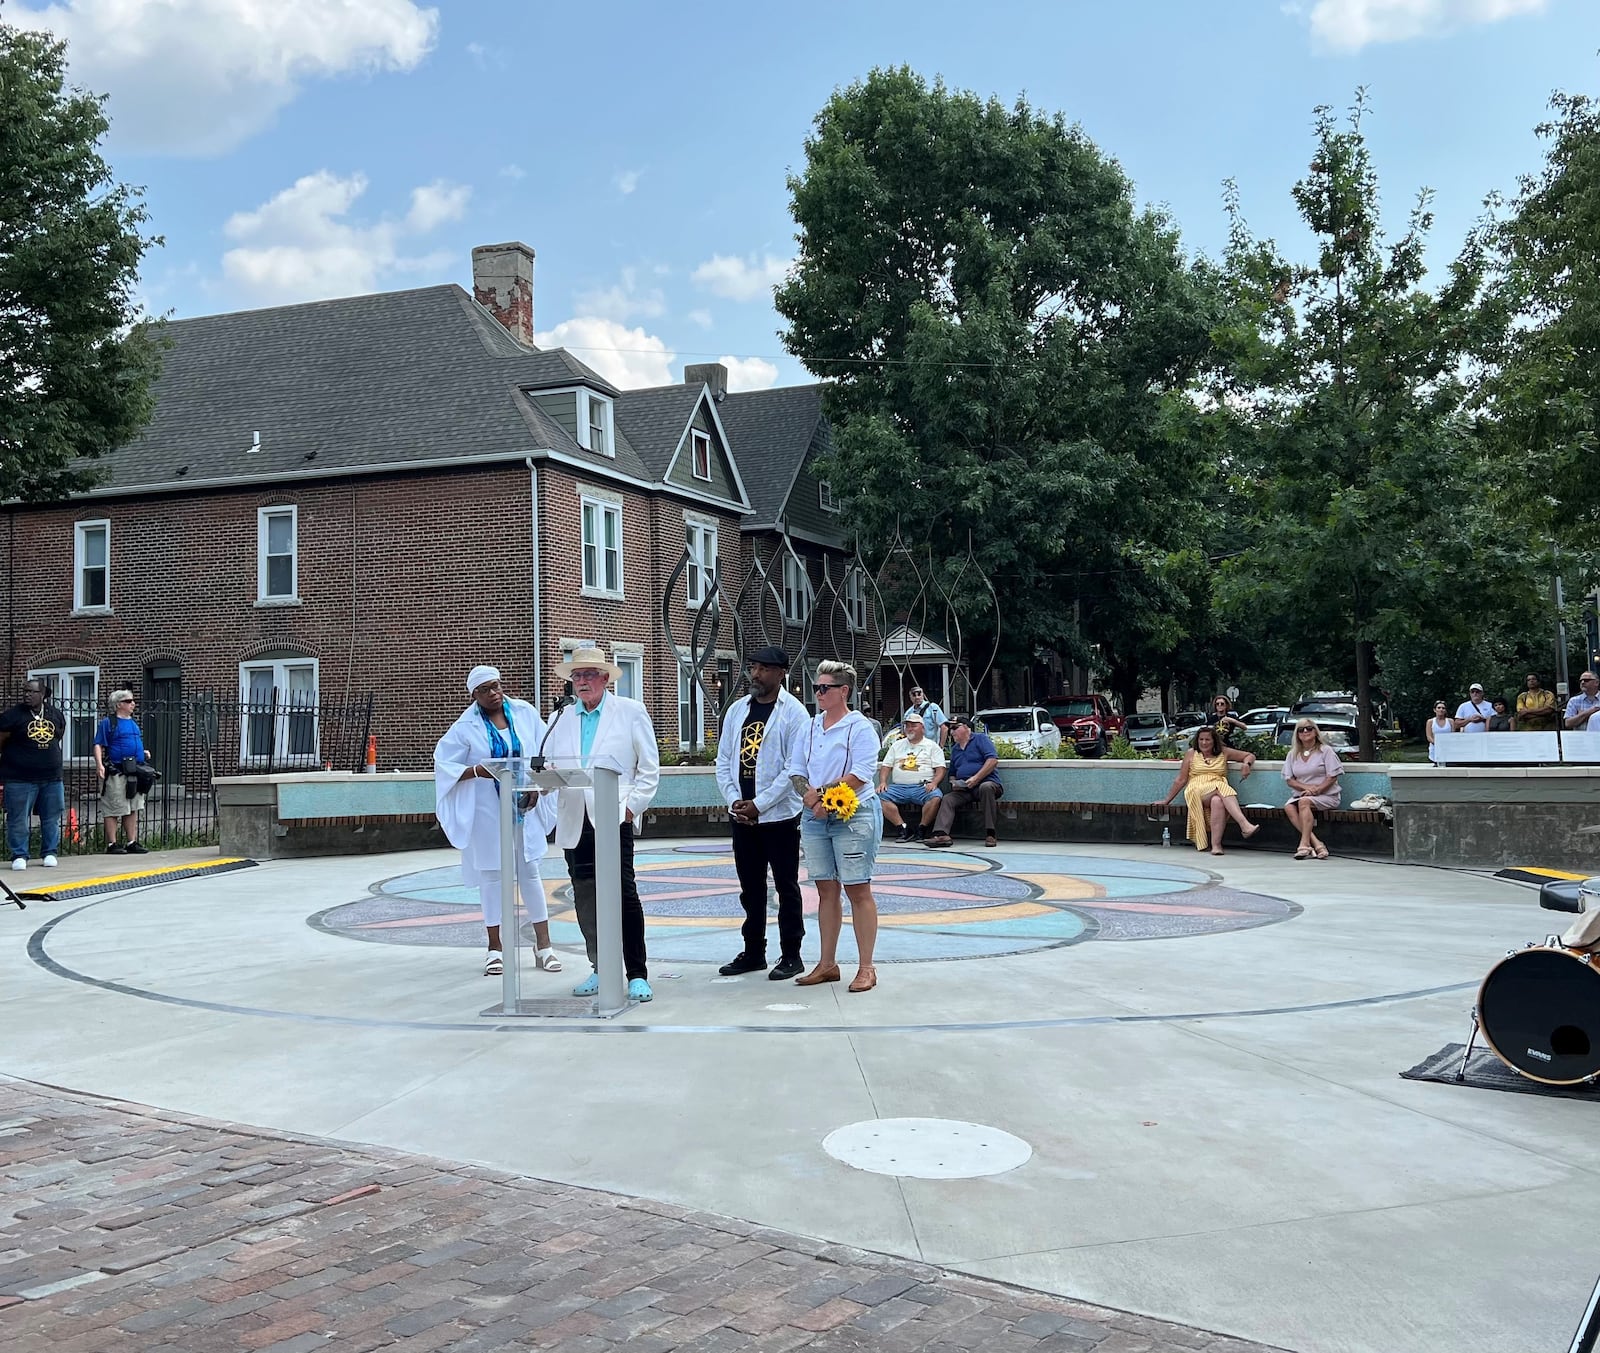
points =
(536, 761)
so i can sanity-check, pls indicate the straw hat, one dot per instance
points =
(583, 658)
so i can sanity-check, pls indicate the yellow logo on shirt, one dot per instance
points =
(40, 731)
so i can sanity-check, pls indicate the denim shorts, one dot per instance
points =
(843, 851)
(913, 796)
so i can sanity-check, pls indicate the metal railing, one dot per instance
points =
(194, 739)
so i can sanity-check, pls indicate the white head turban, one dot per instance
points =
(478, 675)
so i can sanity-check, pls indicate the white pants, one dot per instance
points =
(533, 903)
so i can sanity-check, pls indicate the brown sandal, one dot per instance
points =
(866, 979)
(818, 975)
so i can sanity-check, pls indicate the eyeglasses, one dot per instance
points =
(589, 674)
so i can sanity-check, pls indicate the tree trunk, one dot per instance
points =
(1364, 699)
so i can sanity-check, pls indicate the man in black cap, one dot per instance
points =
(758, 732)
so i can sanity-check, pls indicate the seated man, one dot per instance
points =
(973, 760)
(908, 777)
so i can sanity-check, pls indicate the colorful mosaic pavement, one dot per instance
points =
(932, 905)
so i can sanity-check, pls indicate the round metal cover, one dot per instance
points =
(926, 1148)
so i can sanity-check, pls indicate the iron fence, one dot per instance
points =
(192, 740)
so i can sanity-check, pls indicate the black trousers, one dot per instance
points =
(771, 846)
(580, 868)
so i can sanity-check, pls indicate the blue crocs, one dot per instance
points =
(588, 986)
(639, 990)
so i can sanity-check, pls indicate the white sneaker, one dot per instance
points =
(19, 864)
(49, 862)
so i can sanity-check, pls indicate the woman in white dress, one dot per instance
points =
(467, 800)
(1440, 723)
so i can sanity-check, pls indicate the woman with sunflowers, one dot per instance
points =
(834, 768)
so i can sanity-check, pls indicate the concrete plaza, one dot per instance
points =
(1201, 1053)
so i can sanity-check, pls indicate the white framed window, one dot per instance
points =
(700, 451)
(91, 566)
(855, 601)
(691, 705)
(825, 499)
(595, 423)
(702, 544)
(76, 692)
(278, 721)
(630, 684)
(796, 591)
(277, 554)
(602, 547)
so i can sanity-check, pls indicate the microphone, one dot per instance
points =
(536, 762)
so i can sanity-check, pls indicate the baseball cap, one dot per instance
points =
(913, 717)
(1475, 687)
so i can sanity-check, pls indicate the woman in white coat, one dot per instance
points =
(467, 800)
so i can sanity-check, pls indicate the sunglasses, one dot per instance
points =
(821, 686)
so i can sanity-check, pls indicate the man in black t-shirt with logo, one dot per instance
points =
(30, 765)
(758, 733)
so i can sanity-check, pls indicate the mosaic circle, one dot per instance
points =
(932, 906)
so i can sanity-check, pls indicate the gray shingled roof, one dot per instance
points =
(387, 379)
(771, 431)
(654, 421)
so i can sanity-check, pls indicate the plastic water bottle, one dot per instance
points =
(1166, 836)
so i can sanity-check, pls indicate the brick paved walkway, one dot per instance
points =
(124, 1228)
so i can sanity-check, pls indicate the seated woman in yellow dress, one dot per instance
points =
(1203, 778)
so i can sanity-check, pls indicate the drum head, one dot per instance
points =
(1540, 1011)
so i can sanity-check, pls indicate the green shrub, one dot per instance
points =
(674, 755)
(1123, 750)
(1007, 750)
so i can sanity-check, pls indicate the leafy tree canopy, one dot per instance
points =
(75, 363)
(1003, 332)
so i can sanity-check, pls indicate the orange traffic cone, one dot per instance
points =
(372, 754)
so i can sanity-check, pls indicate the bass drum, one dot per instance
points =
(1540, 1012)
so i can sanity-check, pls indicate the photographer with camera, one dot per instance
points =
(125, 774)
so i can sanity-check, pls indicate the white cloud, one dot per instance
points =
(623, 301)
(1350, 25)
(513, 172)
(199, 76)
(700, 317)
(628, 358)
(626, 180)
(435, 203)
(749, 373)
(301, 246)
(739, 279)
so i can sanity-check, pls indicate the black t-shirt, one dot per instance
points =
(33, 749)
(750, 736)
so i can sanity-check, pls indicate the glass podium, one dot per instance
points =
(518, 775)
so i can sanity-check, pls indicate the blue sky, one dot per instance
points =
(297, 149)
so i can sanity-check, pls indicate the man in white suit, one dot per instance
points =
(609, 729)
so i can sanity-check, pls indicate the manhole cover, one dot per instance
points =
(926, 1148)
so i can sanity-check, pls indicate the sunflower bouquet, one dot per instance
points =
(840, 801)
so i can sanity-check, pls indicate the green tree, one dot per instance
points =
(75, 363)
(1002, 329)
(1352, 376)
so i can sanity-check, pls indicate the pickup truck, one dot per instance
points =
(1089, 720)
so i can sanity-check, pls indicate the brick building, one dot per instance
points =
(373, 494)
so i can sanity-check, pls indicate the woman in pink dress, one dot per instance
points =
(1312, 770)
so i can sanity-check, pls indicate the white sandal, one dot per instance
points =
(494, 965)
(547, 959)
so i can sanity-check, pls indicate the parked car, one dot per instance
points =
(1089, 720)
(1344, 738)
(1263, 722)
(1146, 731)
(1028, 727)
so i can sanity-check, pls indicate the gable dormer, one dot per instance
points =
(587, 415)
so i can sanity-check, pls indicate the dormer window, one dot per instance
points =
(701, 447)
(825, 496)
(594, 423)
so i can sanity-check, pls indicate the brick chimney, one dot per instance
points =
(502, 282)
(713, 374)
